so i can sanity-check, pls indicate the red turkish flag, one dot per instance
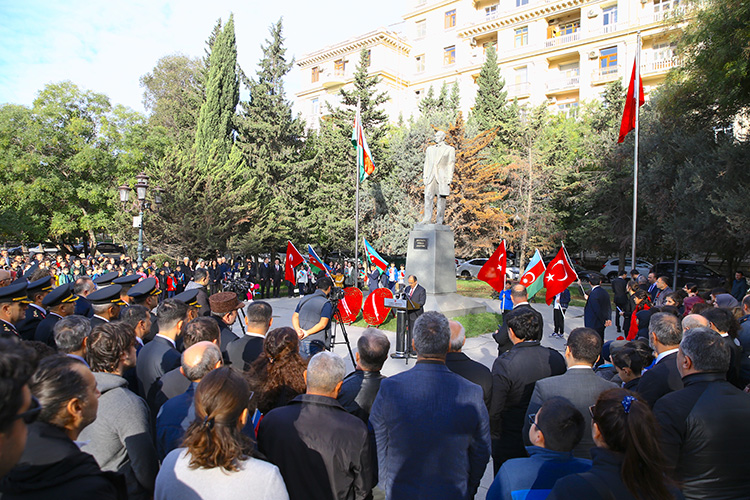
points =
(293, 259)
(628, 114)
(493, 271)
(559, 275)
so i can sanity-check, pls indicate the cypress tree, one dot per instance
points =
(490, 108)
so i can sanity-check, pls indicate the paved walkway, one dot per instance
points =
(482, 348)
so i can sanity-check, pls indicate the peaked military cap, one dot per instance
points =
(106, 295)
(63, 294)
(189, 297)
(107, 278)
(40, 285)
(127, 281)
(14, 293)
(143, 288)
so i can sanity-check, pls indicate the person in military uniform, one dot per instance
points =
(106, 279)
(13, 302)
(190, 298)
(35, 313)
(146, 294)
(59, 303)
(126, 282)
(106, 303)
(82, 287)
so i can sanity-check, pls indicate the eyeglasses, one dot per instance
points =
(532, 421)
(30, 415)
(591, 411)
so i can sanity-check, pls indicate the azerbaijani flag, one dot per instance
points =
(316, 262)
(364, 158)
(533, 276)
(373, 257)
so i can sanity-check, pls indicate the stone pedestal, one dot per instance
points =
(431, 257)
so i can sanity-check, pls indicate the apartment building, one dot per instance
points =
(559, 52)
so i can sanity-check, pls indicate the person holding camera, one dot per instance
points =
(312, 319)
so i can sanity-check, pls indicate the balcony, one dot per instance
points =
(562, 40)
(522, 89)
(656, 67)
(605, 75)
(668, 14)
(562, 84)
(332, 78)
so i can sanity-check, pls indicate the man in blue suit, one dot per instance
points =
(431, 425)
(597, 312)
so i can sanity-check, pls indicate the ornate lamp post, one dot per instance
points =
(140, 204)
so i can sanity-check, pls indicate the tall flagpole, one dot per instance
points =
(636, 95)
(358, 121)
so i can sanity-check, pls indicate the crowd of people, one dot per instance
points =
(139, 396)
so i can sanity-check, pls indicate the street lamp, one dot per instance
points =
(140, 204)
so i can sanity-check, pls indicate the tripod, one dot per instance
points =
(337, 321)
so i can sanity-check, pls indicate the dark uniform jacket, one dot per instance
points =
(53, 468)
(45, 331)
(323, 453)
(8, 330)
(705, 435)
(27, 327)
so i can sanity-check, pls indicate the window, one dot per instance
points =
(569, 70)
(450, 19)
(569, 109)
(521, 3)
(421, 28)
(419, 60)
(569, 27)
(665, 5)
(315, 74)
(449, 55)
(608, 60)
(490, 12)
(315, 107)
(521, 75)
(664, 51)
(521, 37)
(609, 16)
(339, 66)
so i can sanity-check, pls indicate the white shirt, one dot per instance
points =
(665, 354)
(165, 337)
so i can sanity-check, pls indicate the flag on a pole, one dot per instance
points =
(533, 276)
(364, 158)
(493, 271)
(373, 257)
(628, 114)
(559, 275)
(293, 259)
(316, 262)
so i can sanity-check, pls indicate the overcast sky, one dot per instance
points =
(106, 46)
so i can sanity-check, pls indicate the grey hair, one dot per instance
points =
(211, 356)
(694, 321)
(82, 284)
(99, 309)
(373, 347)
(666, 327)
(706, 349)
(432, 334)
(324, 371)
(69, 333)
(458, 343)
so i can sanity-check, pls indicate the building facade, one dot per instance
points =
(559, 52)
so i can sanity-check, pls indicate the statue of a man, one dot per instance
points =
(439, 161)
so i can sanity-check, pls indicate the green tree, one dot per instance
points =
(491, 108)
(216, 121)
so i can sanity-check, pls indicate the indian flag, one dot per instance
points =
(533, 276)
(364, 158)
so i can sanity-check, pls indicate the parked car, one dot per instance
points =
(46, 247)
(585, 274)
(689, 271)
(110, 249)
(610, 268)
(471, 268)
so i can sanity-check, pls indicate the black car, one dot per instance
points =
(689, 271)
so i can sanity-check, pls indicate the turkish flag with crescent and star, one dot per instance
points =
(493, 271)
(559, 275)
(293, 259)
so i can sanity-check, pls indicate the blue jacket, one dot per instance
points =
(533, 478)
(432, 432)
(597, 310)
(174, 418)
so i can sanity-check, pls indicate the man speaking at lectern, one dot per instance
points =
(417, 295)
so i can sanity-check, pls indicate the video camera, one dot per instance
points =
(337, 293)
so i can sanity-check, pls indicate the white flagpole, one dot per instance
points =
(636, 96)
(358, 121)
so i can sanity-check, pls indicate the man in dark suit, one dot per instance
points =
(513, 377)
(160, 355)
(460, 363)
(277, 275)
(597, 312)
(416, 297)
(520, 299)
(243, 351)
(224, 306)
(264, 274)
(59, 303)
(431, 425)
(665, 334)
(360, 387)
(620, 291)
(35, 313)
(721, 320)
(579, 384)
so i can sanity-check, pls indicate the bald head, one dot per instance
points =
(199, 359)
(458, 336)
(694, 321)
(518, 294)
